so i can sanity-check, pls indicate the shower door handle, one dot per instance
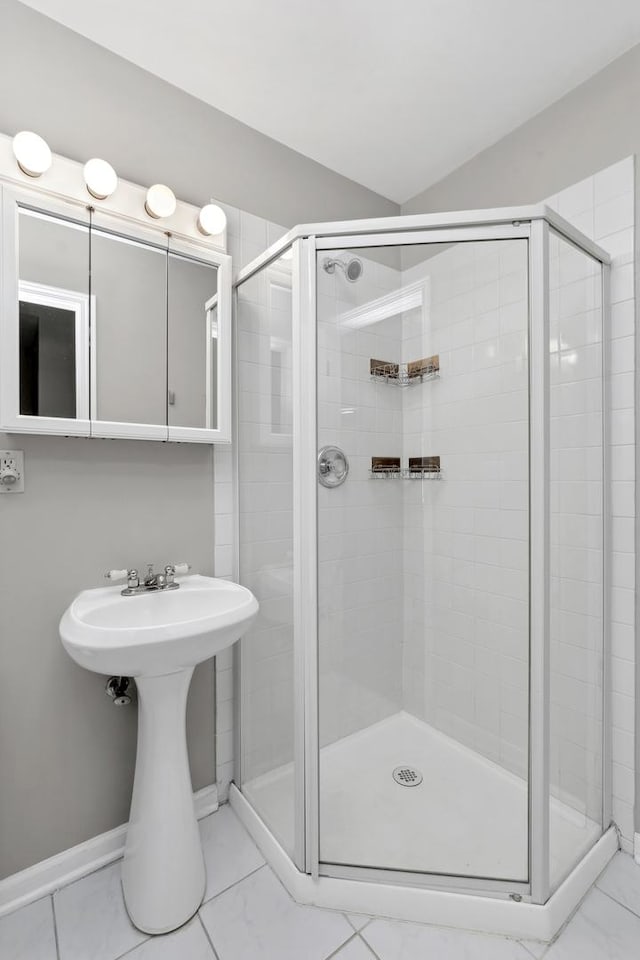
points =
(333, 466)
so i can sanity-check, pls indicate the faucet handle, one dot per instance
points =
(131, 576)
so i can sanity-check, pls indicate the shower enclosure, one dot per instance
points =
(421, 482)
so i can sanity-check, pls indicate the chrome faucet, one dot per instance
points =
(151, 582)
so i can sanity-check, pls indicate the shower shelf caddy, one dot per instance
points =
(420, 468)
(405, 374)
(405, 473)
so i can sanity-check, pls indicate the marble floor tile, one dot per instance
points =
(257, 920)
(600, 930)
(92, 919)
(355, 949)
(395, 940)
(188, 943)
(28, 934)
(621, 880)
(229, 852)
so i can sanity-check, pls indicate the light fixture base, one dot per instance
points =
(28, 173)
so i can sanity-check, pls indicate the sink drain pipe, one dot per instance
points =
(117, 688)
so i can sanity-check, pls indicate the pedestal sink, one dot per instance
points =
(158, 638)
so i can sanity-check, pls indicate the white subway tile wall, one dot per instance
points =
(466, 642)
(359, 523)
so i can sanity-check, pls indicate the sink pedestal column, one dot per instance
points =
(163, 874)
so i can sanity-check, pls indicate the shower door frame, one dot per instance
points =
(532, 224)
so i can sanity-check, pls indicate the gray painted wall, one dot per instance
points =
(89, 102)
(590, 128)
(66, 753)
(586, 130)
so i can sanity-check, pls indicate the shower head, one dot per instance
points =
(352, 268)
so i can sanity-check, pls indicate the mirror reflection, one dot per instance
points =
(129, 324)
(115, 330)
(192, 343)
(53, 316)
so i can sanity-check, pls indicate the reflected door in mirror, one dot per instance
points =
(53, 317)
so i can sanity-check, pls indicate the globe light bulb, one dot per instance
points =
(32, 153)
(100, 178)
(211, 220)
(160, 202)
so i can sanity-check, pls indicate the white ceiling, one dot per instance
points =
(391, 93)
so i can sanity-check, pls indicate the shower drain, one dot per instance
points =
(407, 776)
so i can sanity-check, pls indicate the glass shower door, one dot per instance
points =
(577, 518)
(265, 494)
(423, 558)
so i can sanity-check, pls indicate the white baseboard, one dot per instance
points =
(636, 847)
(69, 865)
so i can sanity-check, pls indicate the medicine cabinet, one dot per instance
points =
(110, 328)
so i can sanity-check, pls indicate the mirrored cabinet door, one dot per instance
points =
(46, 321)
(192, 330)
(129, 336)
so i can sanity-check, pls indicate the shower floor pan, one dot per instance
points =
(468, 817)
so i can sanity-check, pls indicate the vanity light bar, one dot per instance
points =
(33, 156)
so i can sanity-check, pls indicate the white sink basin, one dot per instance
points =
(159, 632)
(158, 638)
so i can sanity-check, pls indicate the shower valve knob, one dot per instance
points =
(333, 466)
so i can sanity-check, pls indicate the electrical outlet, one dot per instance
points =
(11, 471)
